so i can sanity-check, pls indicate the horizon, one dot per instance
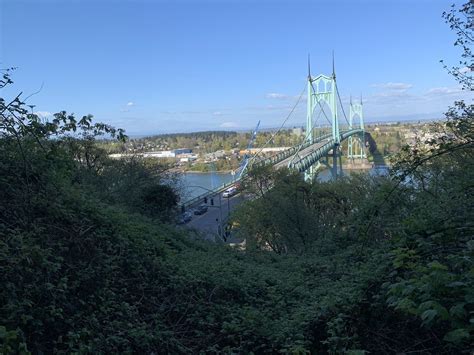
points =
(274, 128)
(161, 67)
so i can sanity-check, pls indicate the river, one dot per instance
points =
(195, 184)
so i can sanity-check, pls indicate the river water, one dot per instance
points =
(195, 184)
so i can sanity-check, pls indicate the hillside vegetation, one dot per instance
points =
(89, 263)
(90, 260)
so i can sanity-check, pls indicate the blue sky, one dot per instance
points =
(178, 66)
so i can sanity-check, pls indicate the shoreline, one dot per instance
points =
(206, 172)
(344, 167)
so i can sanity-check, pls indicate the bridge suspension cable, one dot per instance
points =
(342, 106)
(279, 129)
(322, 109)
(308, 134)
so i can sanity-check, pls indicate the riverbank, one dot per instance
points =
(358, 166)
(181, 170)
(207, 172)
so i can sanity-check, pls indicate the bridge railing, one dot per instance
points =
(351, 132)
(289, 152)
(304, 163)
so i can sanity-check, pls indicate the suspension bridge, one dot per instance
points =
(322, 141)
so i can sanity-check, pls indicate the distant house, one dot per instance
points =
(185, 158)
(210, 157)
(180, 151)
(168, 153)
(160, 154)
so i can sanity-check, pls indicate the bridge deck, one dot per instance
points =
(303, 153)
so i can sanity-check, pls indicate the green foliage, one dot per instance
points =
(386, 141)
(291, 215)
(434, 275)
(204, 142)
(459, 19)
(362, 265)
(417, 224)
(11, 342)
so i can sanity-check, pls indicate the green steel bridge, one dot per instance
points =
(322, 95)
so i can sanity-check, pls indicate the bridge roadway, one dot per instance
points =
(309, 155)
(301, 154)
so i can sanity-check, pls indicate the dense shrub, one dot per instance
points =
(362, 265)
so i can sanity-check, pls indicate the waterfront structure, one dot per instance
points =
(313, 151)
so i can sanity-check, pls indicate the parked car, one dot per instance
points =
(231, 191)
(185, 218)
(200, 210)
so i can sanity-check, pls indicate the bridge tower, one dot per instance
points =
(322, 89)
(356, 109)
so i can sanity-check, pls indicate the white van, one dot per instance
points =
(231, 191)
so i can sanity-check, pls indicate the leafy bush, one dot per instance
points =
(360, 265)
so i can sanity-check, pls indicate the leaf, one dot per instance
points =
(456, 284)
(428, 316)
(457, 310)
(435, 265)
(456, 336)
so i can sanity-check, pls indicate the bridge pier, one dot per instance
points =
(336, 158)
(310, 173)
(334, 161)
(334, 166)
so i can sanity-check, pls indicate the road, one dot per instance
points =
(209, 222)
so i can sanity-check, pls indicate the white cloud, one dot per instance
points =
(127, 106)
(393, 86)
(431, 103)
(274, 95)
(229, 125)
(443, 91)
(465, 70)
(217, 113)
(291, 99)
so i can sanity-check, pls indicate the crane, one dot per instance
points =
(243, 165)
